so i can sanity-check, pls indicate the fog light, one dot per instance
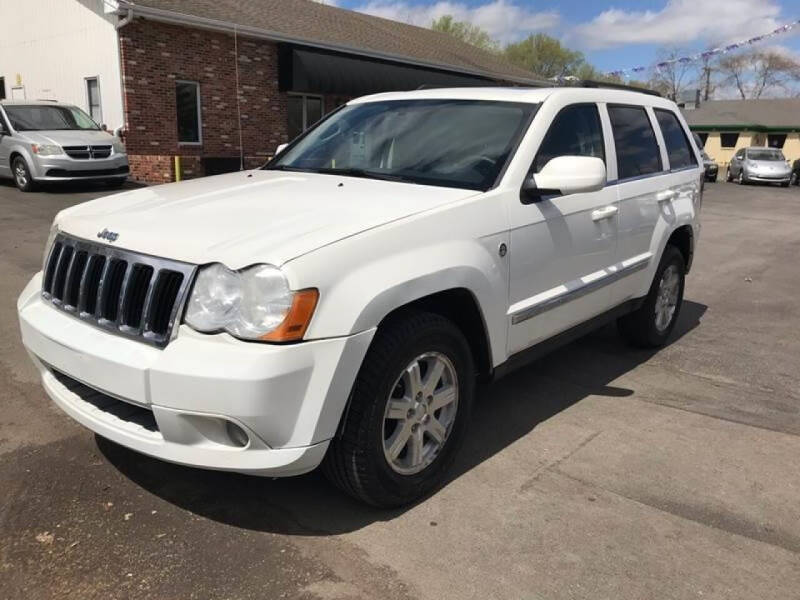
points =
(237, 435)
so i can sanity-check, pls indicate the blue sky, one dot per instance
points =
(613, 35)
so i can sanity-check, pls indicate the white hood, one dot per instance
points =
(249, 217)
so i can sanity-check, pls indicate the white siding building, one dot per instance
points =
(65, 50)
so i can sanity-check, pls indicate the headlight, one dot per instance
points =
(46, 149)
(253, 304)
(119, 147)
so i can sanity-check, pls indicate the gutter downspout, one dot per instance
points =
(125, 20)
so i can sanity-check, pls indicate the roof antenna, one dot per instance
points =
(238, 106)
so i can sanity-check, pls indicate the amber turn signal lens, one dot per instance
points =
(296, 322)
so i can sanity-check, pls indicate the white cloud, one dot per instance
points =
(504, 20)
(709, 22)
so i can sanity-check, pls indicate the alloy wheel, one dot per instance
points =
(667, 297)
(420, 413)
(20, 174)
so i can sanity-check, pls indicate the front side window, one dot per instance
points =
(679, 149)
(635, 141)
(453, 143)
(187, 100)
(41, 117)
(576, 131)
(728, 140)
(93, 99)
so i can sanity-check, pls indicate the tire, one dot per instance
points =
(643, 328)
(795, 180)
(359, 460)
(22, 175)
(741, 180)
(784, 184)
(728, 175)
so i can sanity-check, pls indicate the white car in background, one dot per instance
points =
(336, 306)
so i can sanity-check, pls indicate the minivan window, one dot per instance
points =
(452, 143)
(635, 141)
(35, 117)
(576, 131)
(679, 150)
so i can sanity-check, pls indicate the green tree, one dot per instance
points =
(545, 56)
(466, 32)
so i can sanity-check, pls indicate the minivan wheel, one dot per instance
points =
(651, 325)
(408, 412)
(22, 175)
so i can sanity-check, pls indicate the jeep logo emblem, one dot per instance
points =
(111, 236)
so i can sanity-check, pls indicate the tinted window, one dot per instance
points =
(187, 96)
(635, 141)
(765, 154)
(576, 131)
(728, 140)
(678, 149)
(454, 143)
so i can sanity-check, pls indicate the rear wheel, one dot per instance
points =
(795, 179)
(22, 175)
(729, 175)
(651, 325)
(408, 412)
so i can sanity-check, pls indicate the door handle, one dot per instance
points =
(604, 213)
(666, 195)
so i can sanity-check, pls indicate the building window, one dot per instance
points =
(2, 88)
(703, 135)
(304, 111)
(776, 140)
(187, 102)
(728, 140)
(93, 99)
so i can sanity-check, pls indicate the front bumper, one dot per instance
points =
(63, 168)
(287, 399)
(781, 177)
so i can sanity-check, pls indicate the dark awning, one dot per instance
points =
(320, 72)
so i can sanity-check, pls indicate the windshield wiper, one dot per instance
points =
(364, 173)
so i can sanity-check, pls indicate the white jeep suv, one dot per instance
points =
(336, 306)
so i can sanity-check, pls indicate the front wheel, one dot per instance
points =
(651, 325)
(22, 175)
(741, 180)
(408, 412)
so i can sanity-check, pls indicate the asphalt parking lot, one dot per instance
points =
(598, 472)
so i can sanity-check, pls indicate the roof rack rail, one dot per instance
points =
(591, 83)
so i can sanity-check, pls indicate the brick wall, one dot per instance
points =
(155, 55)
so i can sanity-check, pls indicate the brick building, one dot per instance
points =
(166, 72)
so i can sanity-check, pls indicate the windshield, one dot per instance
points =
(37, 117)
(453, 143)
(765, 154)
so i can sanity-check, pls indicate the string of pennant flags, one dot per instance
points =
(708, 53)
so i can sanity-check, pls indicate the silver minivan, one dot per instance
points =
(45, 142)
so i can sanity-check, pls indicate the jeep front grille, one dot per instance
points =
(128, 293)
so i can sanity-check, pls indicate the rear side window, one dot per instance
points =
(576, 131)
(635, 141)
(679, 150)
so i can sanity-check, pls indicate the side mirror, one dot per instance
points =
(567, 175)
(280, 148)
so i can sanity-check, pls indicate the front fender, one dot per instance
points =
(370, 289)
